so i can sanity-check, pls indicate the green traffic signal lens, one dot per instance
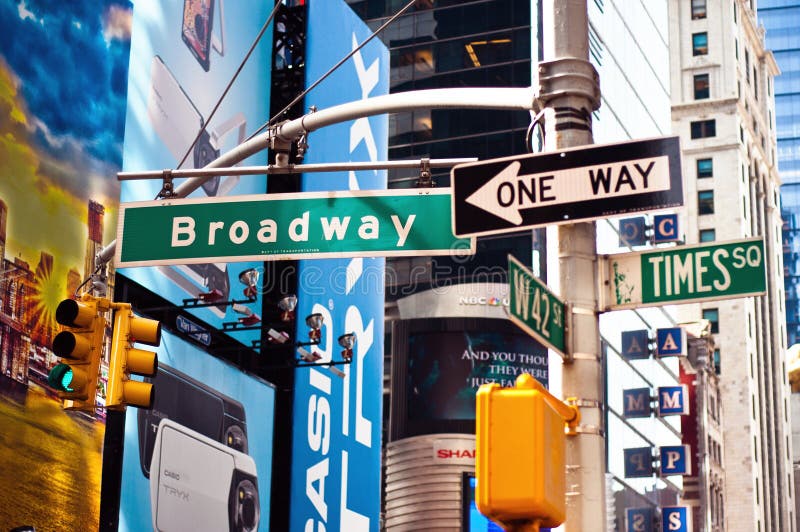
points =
(60, 377)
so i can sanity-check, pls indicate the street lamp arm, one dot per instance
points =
(508, 98)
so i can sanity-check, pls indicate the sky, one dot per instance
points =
(63, 82)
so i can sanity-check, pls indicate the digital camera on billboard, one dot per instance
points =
(194, 405)
(199, 484)
(177, 122)
(197, 30)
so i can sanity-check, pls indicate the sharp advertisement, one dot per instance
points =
(183, 55)
(201, 458)
(336, 449)
(63, 67)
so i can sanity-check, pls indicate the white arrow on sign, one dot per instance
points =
(508, 193)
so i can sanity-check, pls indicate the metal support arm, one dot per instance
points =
(456, 98)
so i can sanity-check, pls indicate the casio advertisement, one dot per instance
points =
(201, 458)
(336, 448)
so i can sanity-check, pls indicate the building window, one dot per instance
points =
(705, 202)
(698, 9)
(746, 65)
(704, 128)
(701, 90)
(712, 315)
(700, 43)
(707, 235)
(717, 363)
(755, 83)
(705, 168)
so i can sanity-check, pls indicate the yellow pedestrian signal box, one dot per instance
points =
(125, 359)
(519, 463)
(80, 348)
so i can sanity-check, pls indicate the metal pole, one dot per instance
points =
(515, 98)
(294, 168)
(569, 92)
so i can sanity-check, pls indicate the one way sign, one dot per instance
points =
(585, 183)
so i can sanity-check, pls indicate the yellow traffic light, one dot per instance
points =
(125, 359)
(81, 346)
(519, 462)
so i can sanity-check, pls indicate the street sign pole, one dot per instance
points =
(570, 91)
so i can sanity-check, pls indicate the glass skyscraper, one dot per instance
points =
(781, 19)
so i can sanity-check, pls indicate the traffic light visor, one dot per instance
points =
(70, 345)
(145, 331)
(74, 314)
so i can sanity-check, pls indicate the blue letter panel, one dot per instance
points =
(636, 402)
(675, 460)
(632, 232)
(673, 400)
(671, 342)
(676, 519)
(635, 344)
(639, 519)
(638, 462)
(665, 228)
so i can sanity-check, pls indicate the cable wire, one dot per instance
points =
(331, 70)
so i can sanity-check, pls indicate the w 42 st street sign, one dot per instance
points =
(534, 308)
(565, 186)
(684, 274)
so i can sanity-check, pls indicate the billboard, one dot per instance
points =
(336, 446)
(201, 458)
(445, 369)
(183, 56)
(438, 364)
(62, 107)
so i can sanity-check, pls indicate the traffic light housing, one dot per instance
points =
(519, 462)
(125, 359)
(80, 348)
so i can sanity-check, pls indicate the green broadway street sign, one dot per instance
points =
(534, 308)
(377, 223)
(684, 274)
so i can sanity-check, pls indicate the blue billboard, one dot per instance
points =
(336, 447)
(183, 56)
(201, 458)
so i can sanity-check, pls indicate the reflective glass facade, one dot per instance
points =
(454, 43)
(781, 18)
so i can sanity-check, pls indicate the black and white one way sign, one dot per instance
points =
(585, 183)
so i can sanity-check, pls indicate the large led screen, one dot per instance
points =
(445, 369)
(439, 364)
